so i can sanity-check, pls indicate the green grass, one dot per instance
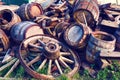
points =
(109, 73)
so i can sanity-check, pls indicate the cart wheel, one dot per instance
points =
(48, 57)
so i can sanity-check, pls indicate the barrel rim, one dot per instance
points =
(10, 11)
(103, 33)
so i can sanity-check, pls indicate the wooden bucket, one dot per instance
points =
(29, 11)
(4, 41)
(99, 42)
(86, 11)
(8, 18)
(21, 31)
(76, 35)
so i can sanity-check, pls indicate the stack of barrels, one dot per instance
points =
(15, 25)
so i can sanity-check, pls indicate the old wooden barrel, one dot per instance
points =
(8, 18)
(76, 35)
(4, 41)
(29, 11)
(44, 3)
(86, 11)
(25, 29)
(99, 42)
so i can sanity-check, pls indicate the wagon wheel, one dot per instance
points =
(52, 59)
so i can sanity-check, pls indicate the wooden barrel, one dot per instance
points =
(29, 11)
(99, 42)
(25, 29)
(8, 18)
(86, 11)
(76, 35)
(4, 41)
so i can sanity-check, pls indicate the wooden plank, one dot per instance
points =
(110, 23)
(110, 54)
(112, 12)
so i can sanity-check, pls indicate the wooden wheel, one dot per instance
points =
(44, 57)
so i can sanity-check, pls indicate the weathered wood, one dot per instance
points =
(110, 54)
(65, 53)
(109, 23)
(42, 64)
(7, 57)
(102, 63)
(63, 63)
(49, 67)
(67, 60)
(112, 12)
(33, 61)
(58, 66)
(8, 64)
(12, 68)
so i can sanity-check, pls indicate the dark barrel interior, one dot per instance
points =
(7, 15)
(103, 37)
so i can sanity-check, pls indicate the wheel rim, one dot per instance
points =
(52, 54)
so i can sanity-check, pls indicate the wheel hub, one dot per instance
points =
(52, 50)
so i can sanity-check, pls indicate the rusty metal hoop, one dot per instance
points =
(53, 53)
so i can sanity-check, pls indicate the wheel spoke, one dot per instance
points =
(65, 53)
(8, 64)
(13, 67)
(27, 60)
(42, 64)
(49, 67)
(42, 43)
(63, 63)
(67, 60)
(58, 66)
(35, 46)
(33, 61)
